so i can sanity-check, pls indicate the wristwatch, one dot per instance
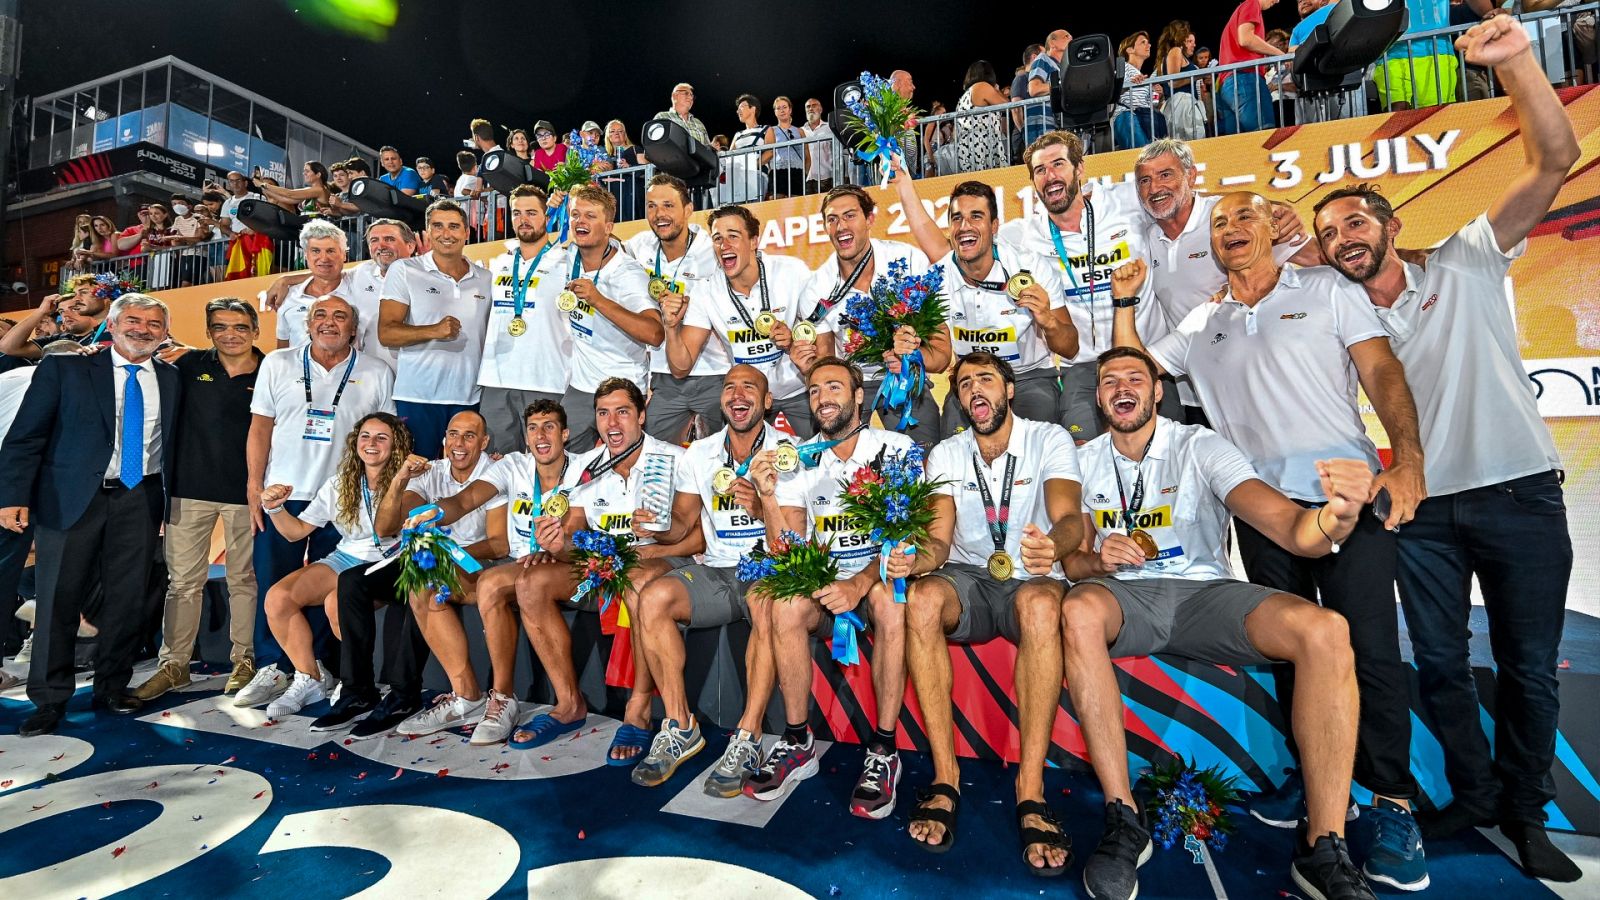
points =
(1124, 302)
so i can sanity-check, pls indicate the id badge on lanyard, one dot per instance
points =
(319, 425)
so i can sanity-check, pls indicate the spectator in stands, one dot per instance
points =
(78, 250)
(1137, 121)
(551, 152)
(434, 184)
(317, 192)
(521, 145)
(743, 180)
(1202, 58)
(152, 235)
(629, 187)
(1186, 116)
(1420, 72)
(620, 147)
(358, 168)
(396, 173)
(469, 184)
(248, 254)
(191, 225)
(819, 153)
(786, 166)
(940, 139)
(1243, 101)
(483, 136)
(151, 227)
(1019, 90)
(980, 138)
(1279, 80)
(910, 142)
(1042, 75)
(682, 103)
(208, 488)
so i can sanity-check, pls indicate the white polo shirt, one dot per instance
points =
(302, 455)
(365, 283)
(513, 480)
(729, 530)
(817, 491)
(440, 372)
(600, 349)
(720, 310)
(1041, 451)
(1118, 238)
(699, 262)
(1188, 473)
(437, 483)
(294, 325)
(1276, 379)
(358, 538)
(1453, 329)
(609, 501)
(982, 319)
(538, 359)
(827, 279)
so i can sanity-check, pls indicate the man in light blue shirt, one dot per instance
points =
(396, 173)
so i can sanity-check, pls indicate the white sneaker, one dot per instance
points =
(26, 610)
(270, 681)
(500, 716)
(302, 692)
(25, 655)
(447, 711)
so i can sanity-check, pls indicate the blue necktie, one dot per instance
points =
(132, 467)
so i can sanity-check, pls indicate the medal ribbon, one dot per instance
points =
(538, 495)
(372, 515)
(844, 287)
(1061, 252)
(987, 285)
(740, 469)
(681, 260)
(1129, 510)
(766, 302)
(519, 286)
(811, 453)
(601, 466)
(998, 518)
(577, 264)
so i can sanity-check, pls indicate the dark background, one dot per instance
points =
(442, 63)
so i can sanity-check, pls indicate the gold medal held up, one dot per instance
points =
(1001, 566)
(805, 331)
(1147, 544)
(764, 323)
(566, 301)
(722, 480)
(518, 327)
(786, 458)
(557, 505)
(659, 288)
(1018, 283)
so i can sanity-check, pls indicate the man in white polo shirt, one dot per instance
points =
(324, 246)
(1010, 499)
(612, 320)
(1495, 508)
(1277, 363)
(749, 305)
(527, 345)
(307, 399)
(676, 254)
(387, 240)
(1152, 576)
(858, 259)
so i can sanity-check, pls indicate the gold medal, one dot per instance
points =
(805, 331)
(1147, 544)
(722, 480)
(659, 288)
(557, 506)
(764, 323)
(786, 458)
(1018, 283)
(518, 327)
(1000, 565)
(566, 301)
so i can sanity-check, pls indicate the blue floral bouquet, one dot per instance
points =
(798, 568)
(108, 286)
(898, 299)
(879, 116)
(891, 499)
(430, 560)
(602, 562)
(1191, 802)
(576, 170)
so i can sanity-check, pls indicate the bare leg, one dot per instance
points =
(793, 621)
(888, 654)
(541, 591)
(661, 606)
(1090, 621)
(760, 676)
(637, 711)
(286, 603)
(496, 596)
(440, 625)
(1037, 679)
(932, 611)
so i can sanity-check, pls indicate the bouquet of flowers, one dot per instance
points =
(577, 169)
(898, 299)
(108, 286)
(880, 115)
(602, 562)
(1191, 802)
(798, 568)
(890, 497)
(429, 560)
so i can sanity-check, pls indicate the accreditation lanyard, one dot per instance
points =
(600, 466)
(519, 285)
(372, 515)
(766, 301)
(538, 488)
(1131, 507)
(661, 266)
(740, 469)
(841, 289)
(1066, 263)
(305, 367)
(997, 517)
(987, 285)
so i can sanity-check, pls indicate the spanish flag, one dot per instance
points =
(249, 255)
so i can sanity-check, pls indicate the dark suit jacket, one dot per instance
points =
(56, 453)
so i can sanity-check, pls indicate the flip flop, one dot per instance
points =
(541, 730)
(632, 738)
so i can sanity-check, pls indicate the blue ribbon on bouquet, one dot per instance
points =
(432, 537)
(846, 650)
(558, 221)
(887, 147)
(900, 391)
(899, 584)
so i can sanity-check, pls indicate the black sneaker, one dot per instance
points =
(347, 710)
(1324, 870)
(393, 709)
(1112, 871)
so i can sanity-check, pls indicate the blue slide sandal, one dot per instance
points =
(542, 730)
(629, 737)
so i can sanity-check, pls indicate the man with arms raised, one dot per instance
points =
(1495, 508)
(1011, 498)
(676, 254)
(717, 488)
(1277, 363)
(1152, 576)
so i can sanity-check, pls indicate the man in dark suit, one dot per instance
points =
(85, 464)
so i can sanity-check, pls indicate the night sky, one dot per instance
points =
(514, 63)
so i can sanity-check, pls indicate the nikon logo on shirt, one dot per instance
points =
(744, 336)
(617, 523)
(1117, 254)
(985, 335)
(838, 522)
(1160, 517)
(725, 503)
(522, 506)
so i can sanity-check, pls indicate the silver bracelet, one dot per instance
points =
(273, 511)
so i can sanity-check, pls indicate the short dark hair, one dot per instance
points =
(841, 362)
(445, 205)
(977, 189)
(850, 190)
(530, 190)
(423, 161)
(1067, 139)
(983, 358)
(751, 99)
(612, 385)
(232, 304)
(1381, 208)
(1116, 353)
(356, 164)
(466, 159)
(661, 179)
(743, 214)
(213, 197)
(544, 406)
(1030, 51)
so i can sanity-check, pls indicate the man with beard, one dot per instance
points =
(1002, 299)
(611, 319)
(809, 497)
(82, 314)
(1277, 362)
(603, 487)
(527, 346)
(1008, 510)
(324, 246)
(1152, 576)
(387, 240)
(1494, 507)
(751, 304)
(848, 214)
(676, 254)
(726, 484)
(102, 430)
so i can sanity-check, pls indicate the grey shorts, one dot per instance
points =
(716, 595)
(1202, 620)
(988, 607)
(674, 401)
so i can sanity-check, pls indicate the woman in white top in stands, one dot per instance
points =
(373, 453)
(317, 192)
(786, 166)
(1137, 121)
(742, 178)
(1186, 115)
(980, 140)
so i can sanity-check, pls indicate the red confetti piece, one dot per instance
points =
(220, 772)
(119, 851)
(348, 742)
(545, 758)
(5, 784)
(311, 756)
(397, 773)
(228, 760)
(1564, 664)
(57, 757)
(188, 740)
(105, 805)
(581, 835)
(152, 785)
(499, 767)
(1066, 792)
(361, 777)
(167, 714)
(442, 773)
(259, 796)
(333, 755)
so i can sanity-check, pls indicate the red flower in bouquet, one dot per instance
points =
(861, 483)
(900, 309)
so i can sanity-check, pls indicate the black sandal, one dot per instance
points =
(945, 817)
(1031, 836)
